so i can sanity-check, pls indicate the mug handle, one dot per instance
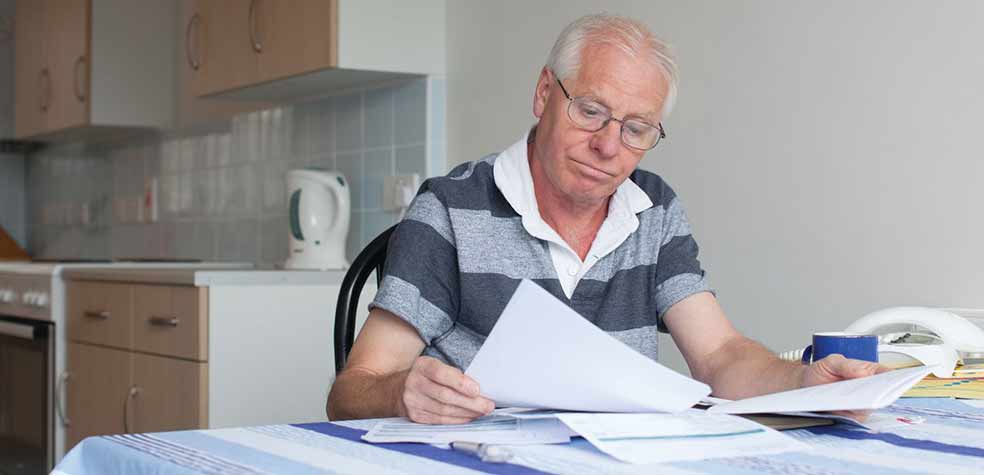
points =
(808, 354)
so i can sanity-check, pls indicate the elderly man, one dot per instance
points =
(566, 207)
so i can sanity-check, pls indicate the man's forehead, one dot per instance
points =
(628, 84)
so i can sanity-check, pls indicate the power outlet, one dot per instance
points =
(396, 189)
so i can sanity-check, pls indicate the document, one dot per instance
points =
(542, 354)
(688, 435)
(491, 429)
(872, 392)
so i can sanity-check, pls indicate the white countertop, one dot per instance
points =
(268, 277)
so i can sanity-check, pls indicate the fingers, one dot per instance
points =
(449, 376)
(436, 393)
(844, 368)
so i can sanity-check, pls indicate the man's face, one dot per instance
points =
(587, 167)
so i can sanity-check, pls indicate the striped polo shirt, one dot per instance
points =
(462, 249)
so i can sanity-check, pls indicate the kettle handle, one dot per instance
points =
(339, 199)
(295, 215)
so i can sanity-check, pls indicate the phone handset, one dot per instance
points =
(913, 335)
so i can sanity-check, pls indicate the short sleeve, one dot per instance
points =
(420, 279)
(678, 271)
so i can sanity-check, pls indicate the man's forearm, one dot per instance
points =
(744, 368)
(361, 394)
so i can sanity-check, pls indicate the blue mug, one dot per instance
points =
(851, 345)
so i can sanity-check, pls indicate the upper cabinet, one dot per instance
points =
(90, 67)
(271, 49)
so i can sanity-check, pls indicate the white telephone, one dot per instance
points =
(913, 335)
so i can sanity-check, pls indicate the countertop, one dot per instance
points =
(207, 277)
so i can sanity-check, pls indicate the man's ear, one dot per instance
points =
(542, 91)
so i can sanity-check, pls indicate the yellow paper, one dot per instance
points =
(961, 388)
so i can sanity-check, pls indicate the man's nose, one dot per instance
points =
(606, 141)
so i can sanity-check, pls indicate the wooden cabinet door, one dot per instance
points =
(67, 23)
(172, 394)
(297, 37)
(31, 76)
(192, 109)
(100, 313)
(227, 58)
(97, 389)
(170, 320)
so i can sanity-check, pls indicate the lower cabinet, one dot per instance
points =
(96, 390)
(112, 391)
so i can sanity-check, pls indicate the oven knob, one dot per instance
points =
(41, 300)
(7, 296)
(27, 298)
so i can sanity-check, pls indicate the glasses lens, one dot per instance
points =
(638, 134)
(588, 115)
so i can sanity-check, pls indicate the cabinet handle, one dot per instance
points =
(79, 91)
(192, 56)
(255, 41)
(44, 78)
(163, 321)
(61, 392)
(134, 391)
(101, 315)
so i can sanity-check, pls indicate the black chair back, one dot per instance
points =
(372, 258)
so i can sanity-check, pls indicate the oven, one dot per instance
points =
(27, 368)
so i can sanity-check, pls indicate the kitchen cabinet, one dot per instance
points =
(272, 50)
(172, 349)
(136, 359)
(90, 68)
(190, 108)
(97, 391)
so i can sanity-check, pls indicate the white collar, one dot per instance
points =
(511, 172)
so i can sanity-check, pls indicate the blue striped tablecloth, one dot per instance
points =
(947, 437)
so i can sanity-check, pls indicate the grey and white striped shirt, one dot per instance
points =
(458, 256)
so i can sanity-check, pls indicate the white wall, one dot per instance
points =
(828, 153)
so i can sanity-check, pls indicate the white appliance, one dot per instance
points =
(319, 219)
(33, 315)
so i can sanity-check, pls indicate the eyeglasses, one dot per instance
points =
(592, 116)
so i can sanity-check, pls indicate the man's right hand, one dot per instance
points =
(435, 393)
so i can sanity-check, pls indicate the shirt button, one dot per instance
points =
(572, 270)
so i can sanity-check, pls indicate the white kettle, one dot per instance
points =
(319, 219)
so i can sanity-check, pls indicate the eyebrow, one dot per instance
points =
(647, 117)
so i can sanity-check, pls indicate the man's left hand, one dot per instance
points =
(836, 368)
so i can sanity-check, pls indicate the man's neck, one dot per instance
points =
(577, 223)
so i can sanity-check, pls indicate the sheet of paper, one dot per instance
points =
(872, 392)
(688, 435)
(542, 354)
(492, 429)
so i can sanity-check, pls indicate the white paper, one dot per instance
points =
(542, 354)
(688, 435)
(492, 429)
(872, 392)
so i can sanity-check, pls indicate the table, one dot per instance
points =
(911, 436)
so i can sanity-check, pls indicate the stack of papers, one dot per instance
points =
(543, 355)
(492, 429)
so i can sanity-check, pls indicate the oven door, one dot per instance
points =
(26, 376)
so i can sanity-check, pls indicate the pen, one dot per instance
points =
(485, 452)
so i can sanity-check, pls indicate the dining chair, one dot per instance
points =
(371, 259)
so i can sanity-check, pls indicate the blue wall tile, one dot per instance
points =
(410, 109)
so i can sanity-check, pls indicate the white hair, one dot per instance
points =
(626, 34)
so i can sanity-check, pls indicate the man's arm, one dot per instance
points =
(737, 367)
(385, 376)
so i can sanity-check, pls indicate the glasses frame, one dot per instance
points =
(621, 131)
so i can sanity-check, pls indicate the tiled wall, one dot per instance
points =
(222, 191)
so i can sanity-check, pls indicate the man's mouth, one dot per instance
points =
(596, 170)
